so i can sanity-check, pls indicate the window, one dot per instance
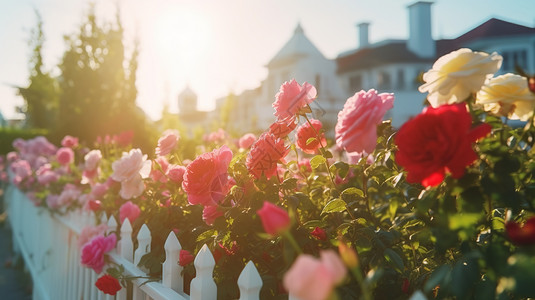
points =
(383, 81)
(355, 83)
(318, 82)
(400, 80)
(513, 58)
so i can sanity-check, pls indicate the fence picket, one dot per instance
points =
(126, 247)
(77, 282)
(249, 282)
(203, 286)
(143, 247)
(172, 271)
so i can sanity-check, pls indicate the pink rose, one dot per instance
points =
(291, 98)
(132, 188)
(356, 129)
(313, 279)
(52, 201)
(130, 165)
(99, 189)
(176, 173)
(264, 155)
(92, 160)
(65, 156)
(69, 194)
(129, 210)
(281, 129)
(93, 252)
(89, 232)
(130, 170)
(306, 132)
(274, 219)
(247, 140)
(167, 142)
(159, 169)
(206, 178)
(210, 214)
(69, 141)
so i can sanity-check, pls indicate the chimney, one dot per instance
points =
(420, 40)
(363, 34)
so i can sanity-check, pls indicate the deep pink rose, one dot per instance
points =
(185, 258)
(93, 252)
(274, 219)
(129, 210)
(206, 178)
(306, 132)
(176, 173)
(356, 129)
(313, 279)
(167, 142)
(291, 98)
(210, 214)
(436, 142)
(264, 155)
(65, 156)
(69, 141)
(247, 140)
(89, 232)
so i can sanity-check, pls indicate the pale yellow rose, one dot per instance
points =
(458, 74)
(507, 96)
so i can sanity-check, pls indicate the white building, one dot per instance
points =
(298, 59)
(388, 66)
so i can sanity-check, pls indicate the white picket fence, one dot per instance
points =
(48, 245)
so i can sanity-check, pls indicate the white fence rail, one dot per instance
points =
(48, 245)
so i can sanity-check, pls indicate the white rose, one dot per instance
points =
(458, 74)
(507, 96)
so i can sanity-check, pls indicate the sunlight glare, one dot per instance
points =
(184, 37)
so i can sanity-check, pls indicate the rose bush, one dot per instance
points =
(443, 207)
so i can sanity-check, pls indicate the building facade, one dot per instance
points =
(392, 66)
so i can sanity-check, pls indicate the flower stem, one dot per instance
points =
(322, 148)
(288, 236)
(366, 293)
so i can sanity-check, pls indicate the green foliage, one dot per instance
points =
(98, 85)
(8, 135)
(41, 95)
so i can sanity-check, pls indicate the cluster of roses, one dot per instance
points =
(430, 147)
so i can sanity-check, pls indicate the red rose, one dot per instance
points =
(307, 131)
(185, 258)
(437, 141)
(524, 235)
(274, 219)
(281, 129)
(319, 233)
(108, 284)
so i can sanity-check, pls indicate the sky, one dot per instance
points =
(221, 46)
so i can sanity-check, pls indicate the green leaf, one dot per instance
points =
(206, 235)
(352, 194)
(335, 205)
(438, 277)
(316, 161)
(311, 140)
(394, 258)
(463, 220)
(289, 184)
(342, 167)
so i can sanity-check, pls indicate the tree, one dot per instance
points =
(41, 95)
(98, 85)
